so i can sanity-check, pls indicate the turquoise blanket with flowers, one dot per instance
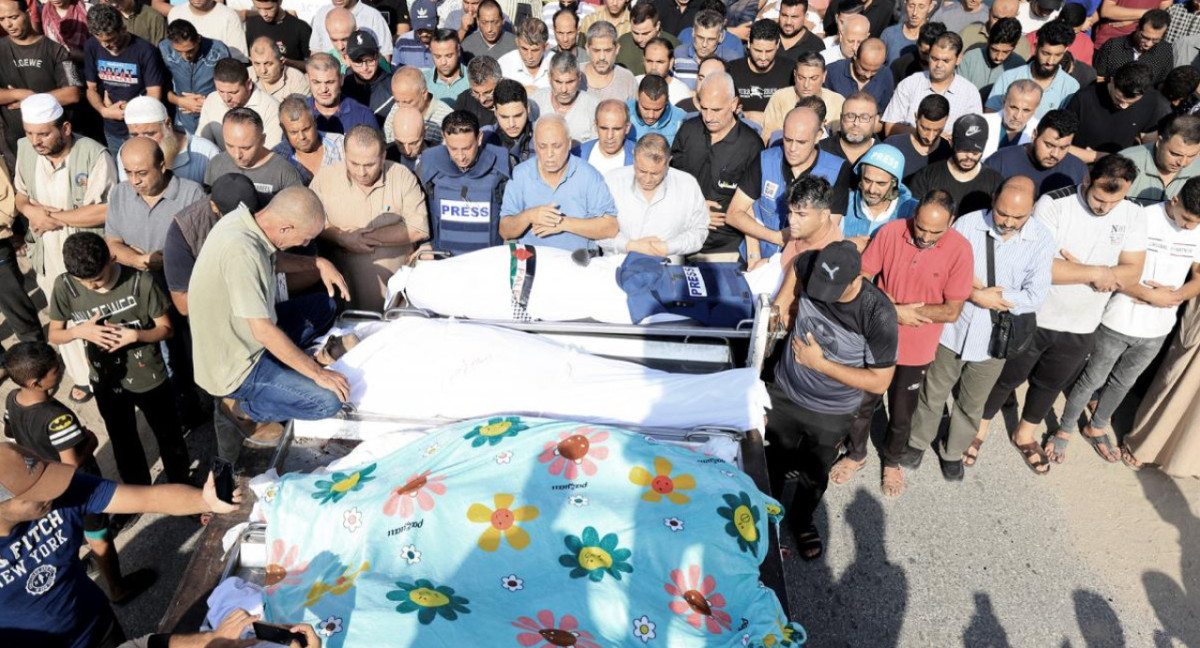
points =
(512, 531)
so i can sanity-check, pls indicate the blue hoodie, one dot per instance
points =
(856, 223)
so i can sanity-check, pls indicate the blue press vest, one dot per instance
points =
(464, 207)
(771, 208)
(713, 294)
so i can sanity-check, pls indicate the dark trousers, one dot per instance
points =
(1050, 363)
(903, 396)
(177, 353)
(806, 443)
(158, 406)
(15, 304)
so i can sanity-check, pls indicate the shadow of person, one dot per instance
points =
(1175, 603)
(984, 630)
(1098, 622)
(867, 605)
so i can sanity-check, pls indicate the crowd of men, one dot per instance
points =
(963, 197)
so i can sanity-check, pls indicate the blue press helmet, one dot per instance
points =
(883, 156)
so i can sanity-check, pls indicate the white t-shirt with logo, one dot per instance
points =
(1170, 253)
(1094, 240)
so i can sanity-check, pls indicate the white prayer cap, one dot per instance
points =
(40, 109)
(145, 110)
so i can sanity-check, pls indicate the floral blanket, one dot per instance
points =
(511, 531)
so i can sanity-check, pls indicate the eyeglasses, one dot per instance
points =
(856, 118)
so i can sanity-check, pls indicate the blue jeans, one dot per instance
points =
(1115, 365)
(272, 391)
(114, 144)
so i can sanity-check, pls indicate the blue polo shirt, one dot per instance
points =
(410, 51)
(350, 114)
(192, 76)
(838, 78)
(1058, 95)
(667, 125)
(581, 194)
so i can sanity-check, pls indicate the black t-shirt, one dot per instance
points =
(809, 42)
(751, 183)
(394, 12)
(973, 195)
(1014, 161)
(45, 428)
(674, 22)
(913, 160)
(1106, 128)
(907, 65)
(880, 14)
(40, 67)
(833, 144)
(755, 89)
(718, 168)
(291, 34)
(467, 101)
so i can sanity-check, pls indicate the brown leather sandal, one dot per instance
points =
(844, 470)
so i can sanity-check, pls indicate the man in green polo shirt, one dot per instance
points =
(1166, 164)
(247, 348)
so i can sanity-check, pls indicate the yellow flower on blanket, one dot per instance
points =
(342, 484)
(661, 484)
(502, 522)
(338, 587)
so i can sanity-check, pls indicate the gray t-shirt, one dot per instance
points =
(269, 178)
(141, 226)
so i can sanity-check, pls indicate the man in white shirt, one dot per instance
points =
(1101, 242)
(564, 97)
(941, 78)
(843, 46)
(660, 210)
(658, 57)
(1138, 319)
(529, 64)
(216, 21)
(612, 148)
(1015, 124)
(365, 17)
(236, 90)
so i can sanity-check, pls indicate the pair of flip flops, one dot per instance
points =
(1102, 444)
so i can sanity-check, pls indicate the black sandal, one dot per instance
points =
(809, 545)
(86, 390)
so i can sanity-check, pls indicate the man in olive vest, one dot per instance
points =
(62, 183)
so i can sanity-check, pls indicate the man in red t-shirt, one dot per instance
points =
(927, 270)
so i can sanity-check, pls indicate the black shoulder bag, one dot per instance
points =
(1011, 334)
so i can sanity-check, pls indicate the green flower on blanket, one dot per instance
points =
(743, 518)
(593, 556)
(429, 601)
(495, 431)
(341, 484)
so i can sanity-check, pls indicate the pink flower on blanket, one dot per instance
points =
(284, 567)
(545, 632)
(418, 491)
(697, 600)
(575, 452)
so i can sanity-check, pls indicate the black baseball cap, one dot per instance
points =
(233, 190)
(970, 133)
(362, 44)
(827, 273)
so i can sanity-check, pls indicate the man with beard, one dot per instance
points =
(865, 72)
(246, 153)
(970, 184)
(44, 67)
(983, 66)
(564, 98)
(1046, 160)
(236, 90)
(191, 60)
(924, 145)
(412, 48)
(957, 16)
(762, 72)
(604, 79)
(760, 208)
(303, 145)
(977, 33)
(794, 36)
(273, 73)
(483, 73)
(1014, 279)
(857, 125)
(1145, 45)
(117, 67)
(1100, 240)
(50, 160)
(878, 197)
(334, 113)
(289, 33)
(565, 28)
(1164, 166)
(187, 156)
(213, 20)
(613, 147)
(808, 80)
(514, 127)
(645, 26)
(658, 58)
(942, 79)
(448, 77)
(1044, 69)
(529, 63)
(369, 82)
(650, 112)
(1015, 124)
(902, 37)
(491, 39)
(925, 268)
(1118, 113)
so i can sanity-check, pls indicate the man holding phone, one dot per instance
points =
(229, 635)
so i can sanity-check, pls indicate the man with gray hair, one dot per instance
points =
(307, 148)
(1016, 123)
(408, 127)
(717, 148)
(483, 73)
(409, 89)
(564, 98)
(334, 112)
(556, 199)
(604, 79)
(660, 210)
(187, 155)
(529, 64)
(273, 73)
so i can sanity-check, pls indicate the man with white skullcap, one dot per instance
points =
(62, 182)
(187, 155)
